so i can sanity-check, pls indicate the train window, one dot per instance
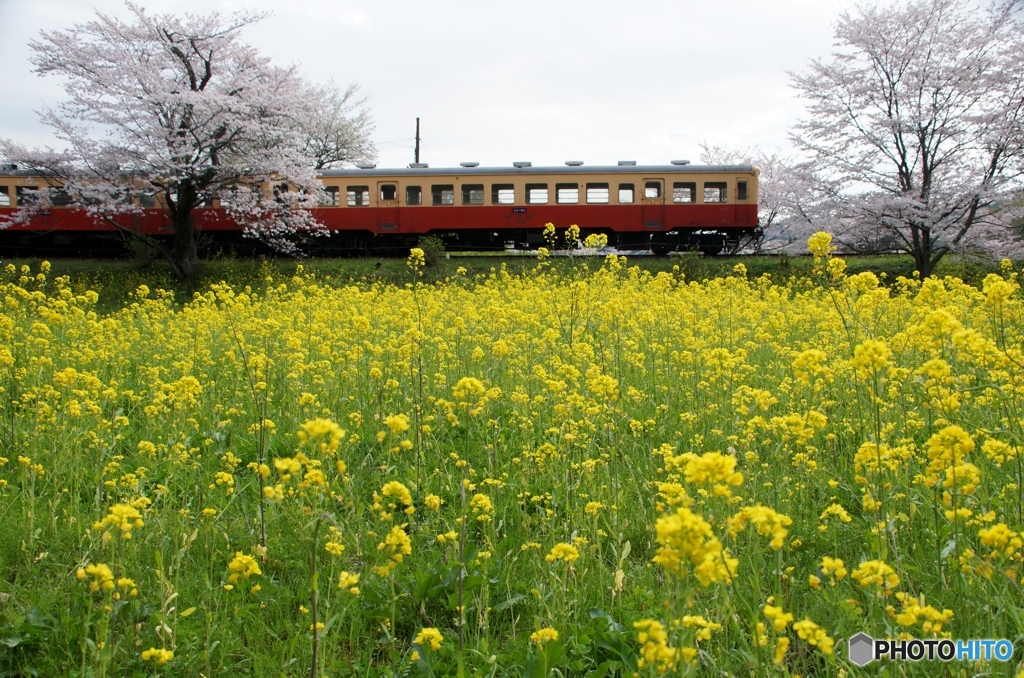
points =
(357, 196)
(388, 192)
(714, 191)
(442, 194)
(503, 194)
(5, 197)
(652, 189)
(597, 194)
(567, 194)
(60, 198)
(684, 191)
(626, 194)
(26, 194)
(472, 194)
(147, 200)
(536, 194)
(413, 195)
(741, 190)
(333, 198)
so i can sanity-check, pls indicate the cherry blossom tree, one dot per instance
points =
(339, 131)
(786, 203)
(914, 126)
(177, 110)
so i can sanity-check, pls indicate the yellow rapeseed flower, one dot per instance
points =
(398, 423)
(429, 637)
(468, 387)
(324, 432)
(158, 655)
(123, 517)
(482, 507)
(242, 566)
(767, 521)
(870, 357)
(780, 619)
(544, 635)
(876, 573)
(397, 491)
(815, 635)
(688, 544)
(820, 244)
(100, 576)
(563, 551)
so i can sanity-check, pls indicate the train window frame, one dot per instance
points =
(631, 189)
(717, 198)
(532, 194)
(442, 195)
(357, 196)
(599, 193)
(677, 192)
(5, 196)
(652, 189)
(333, 196)
(472, 194)
(741, 190)
(413, 195)
(26, 198)
(59, 197)
(381, 188)
(567, 194)
(503, 194)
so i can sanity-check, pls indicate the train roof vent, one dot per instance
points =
(680, 162)
(366, 165)
(574, 163)
(522, 163)
(418, 165)
(623, 163)
(469, 164)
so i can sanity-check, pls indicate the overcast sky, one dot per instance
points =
(545, 81)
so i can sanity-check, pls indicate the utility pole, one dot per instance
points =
(417, 160)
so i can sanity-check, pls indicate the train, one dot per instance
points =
(677, 206)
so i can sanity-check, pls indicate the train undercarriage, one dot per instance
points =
(21, 243)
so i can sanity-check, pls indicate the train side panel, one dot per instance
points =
(397, 206)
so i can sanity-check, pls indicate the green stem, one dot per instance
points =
(314, 578)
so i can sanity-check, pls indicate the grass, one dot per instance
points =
(116, 279)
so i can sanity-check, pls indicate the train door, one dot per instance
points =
(387, 205)
(653, 200)
(740, 212)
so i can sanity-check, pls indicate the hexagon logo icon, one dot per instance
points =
(861, 649)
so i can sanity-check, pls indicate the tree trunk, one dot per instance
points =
(184, 255)
(925, 259)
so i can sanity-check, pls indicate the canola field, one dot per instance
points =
(603, 472)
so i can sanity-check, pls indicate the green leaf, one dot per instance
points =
(510, 602)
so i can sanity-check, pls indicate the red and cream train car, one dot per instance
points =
(661, 207)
